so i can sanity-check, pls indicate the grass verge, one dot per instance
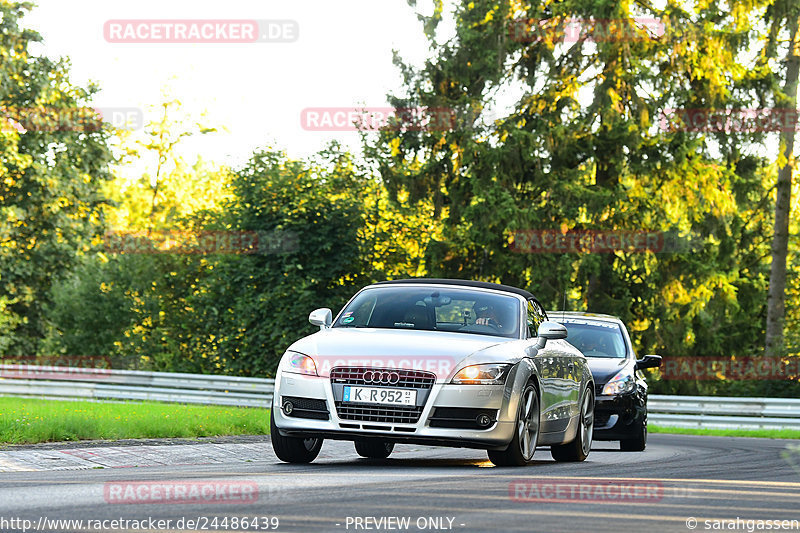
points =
(28, 421)
(760, 433)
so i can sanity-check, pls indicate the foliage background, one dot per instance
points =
(545, 136)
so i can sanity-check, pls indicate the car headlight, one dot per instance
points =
(298, 363)
(619, 384)
(481, 375)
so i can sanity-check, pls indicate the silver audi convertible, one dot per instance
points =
(440, 362)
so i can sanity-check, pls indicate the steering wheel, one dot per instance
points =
(594, 353)
(491, 322)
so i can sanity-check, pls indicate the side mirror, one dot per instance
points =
(550, 330)
(648, 361)
(321, 317)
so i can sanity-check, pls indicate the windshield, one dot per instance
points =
(596, 339)
(433, 309)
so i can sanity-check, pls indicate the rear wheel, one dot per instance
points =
(636, 443)
(374, 448)
(526, 433)
(293, 449)
(578, 449)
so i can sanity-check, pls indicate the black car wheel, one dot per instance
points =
(578, 449)
(293, 449)
(526, 432)
(374, 448)
(636, 443)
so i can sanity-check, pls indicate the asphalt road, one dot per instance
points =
(678, 479)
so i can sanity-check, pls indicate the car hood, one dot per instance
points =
(605, 368)
(435, 351)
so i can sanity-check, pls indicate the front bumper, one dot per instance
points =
(619, 417)
(443, 406)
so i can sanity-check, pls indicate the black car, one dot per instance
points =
(620, 389)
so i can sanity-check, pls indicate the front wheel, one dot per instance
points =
(526, 432)
(293, 449)
(638, 442)
(578, 449)
(374, 448)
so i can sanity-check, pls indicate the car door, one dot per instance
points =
(557, 371)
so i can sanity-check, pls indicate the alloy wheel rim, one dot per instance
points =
(528, 426)
(587, 423)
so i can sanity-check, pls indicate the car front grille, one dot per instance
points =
(376, 413)
(601, 418)
(409, 379)
(419, 380)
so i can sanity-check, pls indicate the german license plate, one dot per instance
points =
(380, 396)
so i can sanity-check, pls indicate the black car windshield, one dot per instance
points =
(596, 338)
(433, 309)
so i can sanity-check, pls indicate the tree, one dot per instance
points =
(787, 13)
(252, 307)
(582, 148)
(54, 159)
(127, 303)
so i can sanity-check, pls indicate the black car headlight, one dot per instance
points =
(621, 383)
(491, 374)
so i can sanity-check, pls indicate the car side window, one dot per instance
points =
(536, 316)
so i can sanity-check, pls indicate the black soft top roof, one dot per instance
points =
(462, 282)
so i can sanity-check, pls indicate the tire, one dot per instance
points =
(578, 450)
(636, 443)
(293, 449)
(526, 432)
(374, 448)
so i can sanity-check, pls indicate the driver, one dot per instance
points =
(487, 316)
(595, 344)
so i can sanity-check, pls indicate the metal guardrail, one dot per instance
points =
(120, 385)
(710, 412)
(64, 383)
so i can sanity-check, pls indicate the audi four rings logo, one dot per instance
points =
(376, 376)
